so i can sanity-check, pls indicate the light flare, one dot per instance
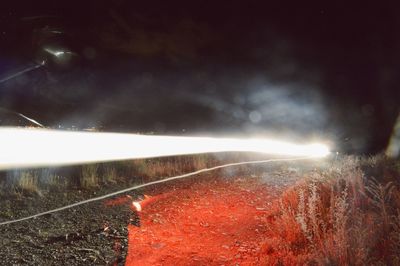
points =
(58, 53)
(27, 147)
(137, 206)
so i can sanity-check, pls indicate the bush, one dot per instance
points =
(28, 181)
(338, 216)
(89, 176)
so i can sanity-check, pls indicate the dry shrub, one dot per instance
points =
(57, 182)
(28, 182)
(337, 216)
(201, 161)
(110, 174)
(89, 176)
(164, 167)
(395, 238)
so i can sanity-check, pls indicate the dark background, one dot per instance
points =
(303, 70)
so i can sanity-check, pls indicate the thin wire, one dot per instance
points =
(19, 73)
(149, 184)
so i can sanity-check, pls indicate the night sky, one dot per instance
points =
(300, 70)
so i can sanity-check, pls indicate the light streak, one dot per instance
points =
(19, 73)
(58, 53)
(23, 116)
(27, 147)
(30, 120)
(164, 180)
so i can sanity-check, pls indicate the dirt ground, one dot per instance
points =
(83, 235)
(218, 222)
(214, 219)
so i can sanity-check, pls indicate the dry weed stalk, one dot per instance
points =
(380, 196)
(110, 174)
(89, 176)
(339, 225)
(395, 238)
(301, 216)
(28, 181)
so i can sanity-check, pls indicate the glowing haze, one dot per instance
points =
(23, 147)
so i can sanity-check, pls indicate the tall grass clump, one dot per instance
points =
(169, 166)
(341, 215)
(395, 238)
(28, 181)
(20, 182)
(110, 174)
(89, 177)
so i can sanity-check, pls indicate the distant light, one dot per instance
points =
(58, 53)
(27, 147)
(393, 148)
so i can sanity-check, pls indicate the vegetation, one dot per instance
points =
(348, 214)
(89, 176)
(93, 176)
(28, 181)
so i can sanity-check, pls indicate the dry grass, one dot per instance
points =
(28, 181)
(110, 174)
(395, 238)
(164, 167)
(339, 216)
(89, 176)
(57, 182)
(93, 176)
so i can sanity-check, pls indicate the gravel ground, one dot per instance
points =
(93, 234)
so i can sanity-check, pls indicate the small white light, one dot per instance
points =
(137, 206)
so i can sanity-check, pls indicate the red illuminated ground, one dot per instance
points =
(202, 222)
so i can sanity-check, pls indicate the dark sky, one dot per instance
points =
(311, 70)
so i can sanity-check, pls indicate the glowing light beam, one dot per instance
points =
(23, 147)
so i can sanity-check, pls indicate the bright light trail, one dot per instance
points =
(30, 120)
(27, 147)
